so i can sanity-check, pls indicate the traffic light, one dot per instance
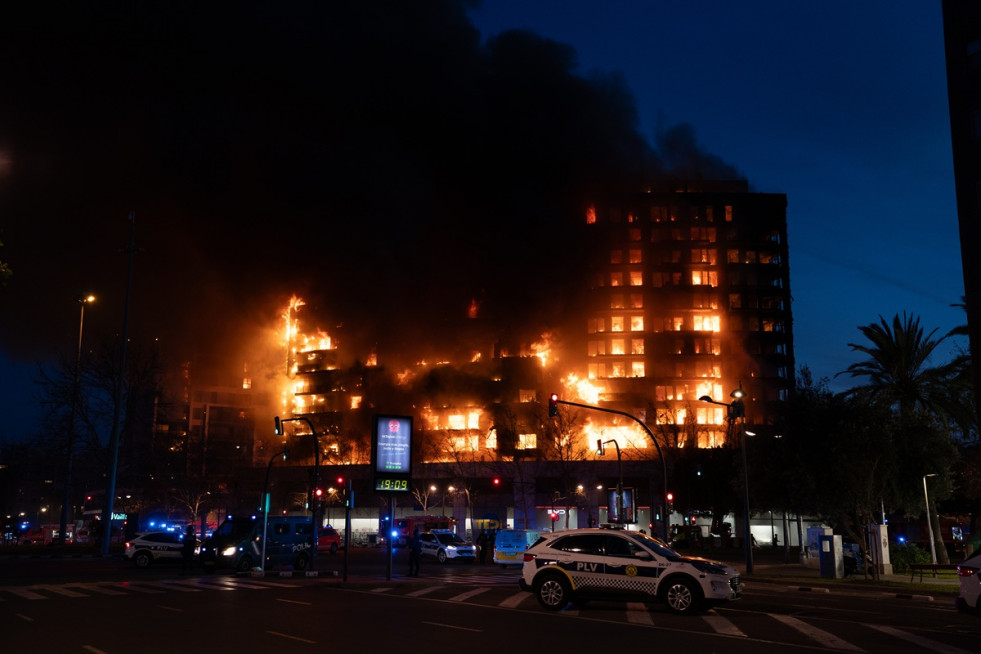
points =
(670, 505)
(279, 426)
(340, 481)
(318, 493)
(496, 482)
(553, 405)
(554, 517)
(600, 450)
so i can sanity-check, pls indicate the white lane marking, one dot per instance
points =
(66, 592)
(723, 626)
(637, 613)
(422, 591)
(282, 635)
(918, 640)
(23, 592)
(452, 626)
(826, 638)
(289, 601)
(515, 600)
(25, 618)
(95, 588)
(470, 593)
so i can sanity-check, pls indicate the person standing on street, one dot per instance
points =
(482, 542)
(415, 553)
(187, 550)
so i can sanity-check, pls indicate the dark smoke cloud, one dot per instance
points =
(378, 158)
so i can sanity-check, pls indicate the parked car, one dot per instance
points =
(145, 549)
(445, 544)
(615, 564)
(510, 545)
(969, 578)
(328, 540)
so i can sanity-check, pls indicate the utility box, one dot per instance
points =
(831, 556)
(879, 548)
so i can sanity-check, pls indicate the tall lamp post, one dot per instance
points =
(265, 504)
(601, 451)
(70, 449)
(926, 499)
(737, 409)
(316, 480)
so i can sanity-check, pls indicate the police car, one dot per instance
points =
(614, 564)
(445, 544)
(144, 549)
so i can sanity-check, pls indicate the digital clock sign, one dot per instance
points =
(391, 453)
(390, 484)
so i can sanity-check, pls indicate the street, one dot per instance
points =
(107, 605)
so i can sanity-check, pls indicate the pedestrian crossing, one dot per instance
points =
(81, 590)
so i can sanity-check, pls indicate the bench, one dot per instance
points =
(933, 568)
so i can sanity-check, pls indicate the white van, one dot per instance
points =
(510, 545)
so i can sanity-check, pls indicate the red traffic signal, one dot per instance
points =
(554, 516)
(319, 492)
(496, 481)
(340, 481)
(553, 405)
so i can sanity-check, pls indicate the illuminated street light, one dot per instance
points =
(67, 499)
(926, 498)
(736, 409)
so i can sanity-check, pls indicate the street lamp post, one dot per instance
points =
(70, 449)
(926, 499)
(316, 479)
(600, 451)
(265, 504)
(737, 409)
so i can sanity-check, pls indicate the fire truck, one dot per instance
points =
(404, 526)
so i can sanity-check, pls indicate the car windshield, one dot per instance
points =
(449, 539)
(656, 544)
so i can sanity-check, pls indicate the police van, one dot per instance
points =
(614, 564)
(237, 543)
(510, 545)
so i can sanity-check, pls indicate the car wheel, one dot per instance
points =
(142, 559)
(244, 564)
(301, 562)
(682, 596)
(333, 548)
(552, 592)
(441, 556)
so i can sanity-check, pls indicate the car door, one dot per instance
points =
(430, 546)
(581, 556)
(631, 571)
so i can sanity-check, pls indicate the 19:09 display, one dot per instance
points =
(392, 484)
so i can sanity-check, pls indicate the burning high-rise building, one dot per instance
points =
(691, 298)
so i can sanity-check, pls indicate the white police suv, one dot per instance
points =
(614, 564)
(445, 544)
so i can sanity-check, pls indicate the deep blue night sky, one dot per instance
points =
(839, 105)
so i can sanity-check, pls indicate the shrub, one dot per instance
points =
(904, 555)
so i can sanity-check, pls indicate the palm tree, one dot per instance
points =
(899, 376)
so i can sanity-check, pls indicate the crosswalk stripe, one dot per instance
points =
(637, 613)
(826, 638)
(95, 588)
(170, 585)
(26, 594)
(470, 593)
(918, 640)
(128, 586)
(515, 600)
(66, 592)
(722, 625)
(423, 591)
(240, 583)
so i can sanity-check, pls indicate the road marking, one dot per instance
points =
(95, 588)
(302, 640)
(289, 601)
(637, 613)
(422, 591)
(453, 626)
(826, 638)
(67, 592)
(170, 608)
(919, 640)
(94, 650)
(516, 599)
(26, 594)
(126, 585)
(470, 593)
(723, 626)
(24, 617)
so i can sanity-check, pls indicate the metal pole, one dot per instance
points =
(933, 547)
(265, 506)
(67, 499)
(118, 399)
(747, 536)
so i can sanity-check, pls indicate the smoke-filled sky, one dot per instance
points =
(394, 162)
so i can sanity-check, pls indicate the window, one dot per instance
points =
(636, 346)
(617, 369)
(674, 324)
(617, 346)
(636, 278)
(616, 324)
(706, 323)
(594, 325)
(636, 301)
(659, 214)
(635, 256)
(616, 279)
(527, 441)
(728, 213)
(704, 278)
(703, 255)
(636, 323)
(591, 544)
(616, 256)
(596, 348)
(633, 234)
(637, 368)
(616, 301)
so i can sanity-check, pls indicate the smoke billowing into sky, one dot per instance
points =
(377, 158)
